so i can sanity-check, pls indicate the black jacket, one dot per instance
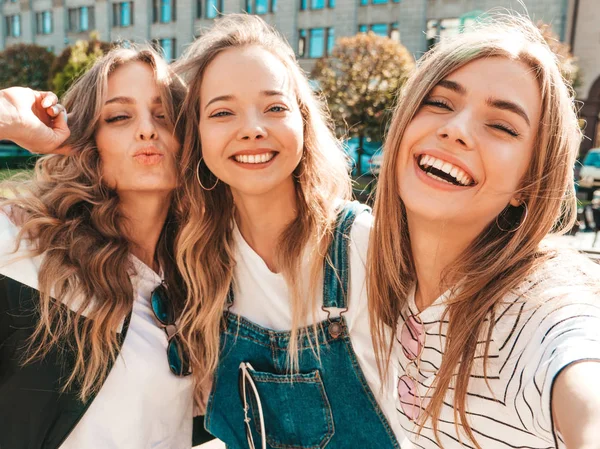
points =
(34, 414)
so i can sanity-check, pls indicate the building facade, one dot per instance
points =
(311, 26)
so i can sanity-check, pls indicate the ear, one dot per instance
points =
(516, 201)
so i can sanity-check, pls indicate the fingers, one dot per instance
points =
(48, 99)
(61, 129)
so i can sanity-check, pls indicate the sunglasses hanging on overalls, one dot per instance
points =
(245, 380)
(163, 309)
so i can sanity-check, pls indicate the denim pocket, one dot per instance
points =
(296, 410)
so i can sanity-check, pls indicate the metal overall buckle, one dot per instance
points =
(335, 329)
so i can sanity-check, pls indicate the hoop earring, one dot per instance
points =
(198, 178)
(521, 221)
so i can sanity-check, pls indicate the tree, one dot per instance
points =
(567, 62)
(25, 65)
(360, 81)
(74, 61)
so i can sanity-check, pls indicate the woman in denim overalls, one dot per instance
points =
(291, 369)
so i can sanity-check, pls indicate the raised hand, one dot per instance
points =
(33, 120)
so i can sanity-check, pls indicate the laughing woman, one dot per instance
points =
(498, 334)
(88, 287)
(276, 248)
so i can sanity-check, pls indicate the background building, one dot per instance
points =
(311, 26)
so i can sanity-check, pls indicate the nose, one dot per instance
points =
(252, 127)
(147, 128)
(458, 130)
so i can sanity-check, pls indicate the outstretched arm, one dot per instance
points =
(576, 405)
(33, 120)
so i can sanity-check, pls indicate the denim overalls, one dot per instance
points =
(326, 403)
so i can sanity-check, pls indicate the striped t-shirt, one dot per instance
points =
(542, 327)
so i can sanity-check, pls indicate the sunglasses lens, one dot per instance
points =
(161, 305)
(178, 358)
(409, 398)
(412, 338)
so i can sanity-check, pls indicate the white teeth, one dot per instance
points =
(254, 158)
(457, 173)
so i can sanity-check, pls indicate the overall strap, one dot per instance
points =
(336, 270)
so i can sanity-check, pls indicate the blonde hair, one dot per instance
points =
(206, 249)
(496, 261)
(73, 219)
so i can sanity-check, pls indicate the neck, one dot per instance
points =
(262, 219)
(435, 246)
(145, 216)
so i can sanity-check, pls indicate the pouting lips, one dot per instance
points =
(254, 158)
(444, 171)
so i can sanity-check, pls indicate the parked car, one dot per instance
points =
(589, 174)
(368, 158)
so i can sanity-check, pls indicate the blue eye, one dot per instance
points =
(221, 114)
(278, 108)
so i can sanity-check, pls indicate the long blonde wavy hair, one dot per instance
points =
(495, 262)
(72, 218)
(206, 254)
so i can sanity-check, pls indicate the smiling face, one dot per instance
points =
(464, 153)
(136, 145)
(251, 129)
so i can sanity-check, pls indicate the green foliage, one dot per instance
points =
(74, 61)
(360, 81)
(25, 65)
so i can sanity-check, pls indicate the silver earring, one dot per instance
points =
(521, 221)
(200, 182)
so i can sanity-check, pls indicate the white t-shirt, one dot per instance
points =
(263, 297)
(542, 327)
(141, 404)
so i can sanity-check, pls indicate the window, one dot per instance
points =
(166, 47)
(301, 42)
(13, 26)
(316, 44)
(123, 14)
(380, 29)
(260, 6)
(43, 22)
(81, 19)
(316, 4)
(213, 8)
(377, 2)
(330, 40)
(395, 32)
(164, 11)
(198, 9)
(363, 28)
(440, 29)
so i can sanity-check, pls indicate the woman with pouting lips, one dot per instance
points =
(274, 254)
(90, 354)
(498, 333)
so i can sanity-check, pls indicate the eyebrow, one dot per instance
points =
(504, 105)
(129, 100)
(265, 93)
